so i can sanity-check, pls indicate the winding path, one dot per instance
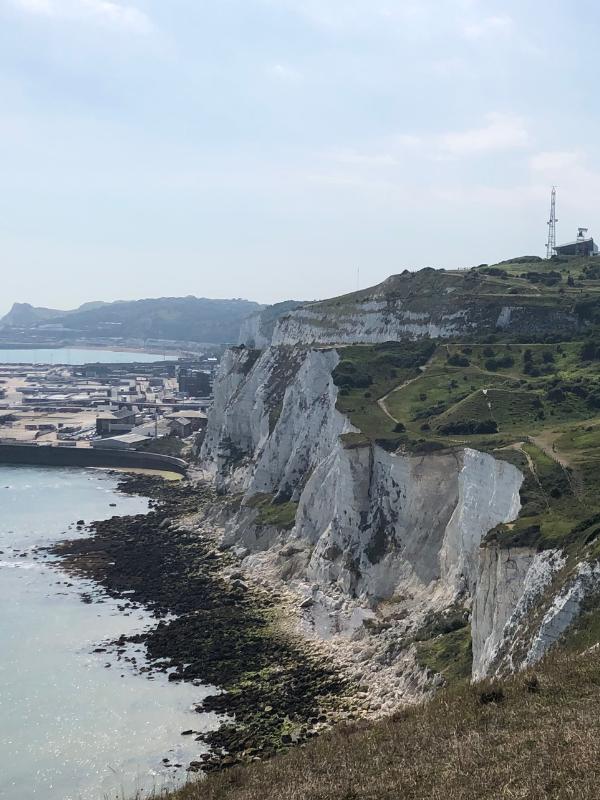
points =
(381, 401)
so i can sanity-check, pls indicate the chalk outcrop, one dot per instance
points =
(378, 538)
(428, 303)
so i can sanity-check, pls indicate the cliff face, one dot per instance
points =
(370, 527)
(273, 420)
(370, 539)
(257, 330)
(375, 532)
(524, 602)
(375, 321)
(429, 303)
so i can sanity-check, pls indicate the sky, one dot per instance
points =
(275, 149)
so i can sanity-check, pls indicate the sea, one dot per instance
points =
(72, 356)
(77, 722)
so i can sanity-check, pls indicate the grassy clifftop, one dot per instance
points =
(527, 296)
(532, 397)
(532, 736)
(527, 280)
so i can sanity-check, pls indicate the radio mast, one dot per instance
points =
(551, 243)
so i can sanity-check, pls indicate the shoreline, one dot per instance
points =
(76, 643)
(106, 348)
(276, 689)
(150, 351)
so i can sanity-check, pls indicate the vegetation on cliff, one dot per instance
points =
(530, 398)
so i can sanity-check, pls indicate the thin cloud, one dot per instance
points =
(102, 12)
(502, 132)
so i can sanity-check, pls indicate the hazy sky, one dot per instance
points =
(270, 148)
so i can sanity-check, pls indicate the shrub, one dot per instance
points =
(469, 427)
(593, 399)
(457, 360)
(590, 351)
(556, 395)
(545, 278)
(347, 376)
(494, 694)
(494, 364)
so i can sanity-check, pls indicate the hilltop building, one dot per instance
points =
(583, 245)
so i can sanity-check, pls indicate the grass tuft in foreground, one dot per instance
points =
(535, 735)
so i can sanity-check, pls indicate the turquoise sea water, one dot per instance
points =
(72, 727)
(68, 355)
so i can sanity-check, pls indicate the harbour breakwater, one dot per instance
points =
(59, 456)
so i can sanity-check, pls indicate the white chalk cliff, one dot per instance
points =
(376, 530)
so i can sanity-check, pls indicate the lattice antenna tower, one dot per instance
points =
(551, 243)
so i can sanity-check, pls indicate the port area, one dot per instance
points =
(147, 406)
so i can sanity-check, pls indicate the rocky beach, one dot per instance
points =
(276, 687)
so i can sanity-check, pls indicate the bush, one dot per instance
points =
(347, 376)
(457, 360)
(494, 364)
(588, 309)
(523, 260)
(469, 427)
(590, 351)
(494, 694)
(545, 278)
(399, 427)
(593, 399)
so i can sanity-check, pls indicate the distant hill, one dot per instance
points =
(24, 315)
(174, 318)
(257, 330)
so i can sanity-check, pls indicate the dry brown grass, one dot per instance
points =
(541, 741)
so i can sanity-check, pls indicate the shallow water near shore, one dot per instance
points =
(72, 727)
(74, 355)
